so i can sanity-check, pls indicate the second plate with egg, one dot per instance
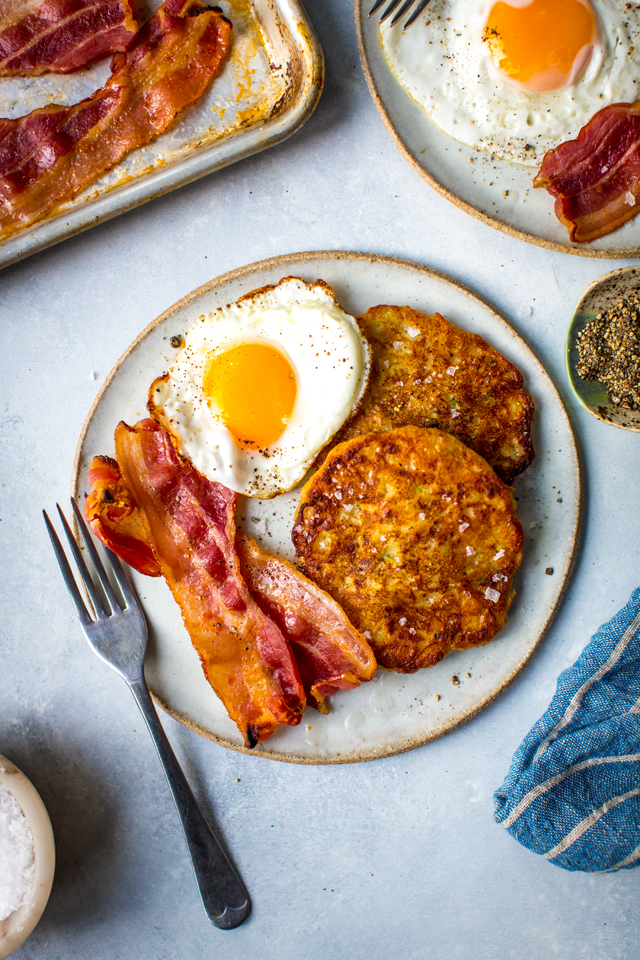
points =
(494, 191)
(393, 712)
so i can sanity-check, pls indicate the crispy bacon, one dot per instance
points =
(60, 36)
(596, 177)
(190, 525)
(115, 519)
(48, 156)
(330, 653)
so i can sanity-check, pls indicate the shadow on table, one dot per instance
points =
(83, 806)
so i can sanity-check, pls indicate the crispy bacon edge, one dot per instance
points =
(49, 155)
(114, 518)
(61, 36)
(596, 177)
(330, 653)
(190, 526)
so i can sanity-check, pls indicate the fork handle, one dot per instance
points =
(224, 896)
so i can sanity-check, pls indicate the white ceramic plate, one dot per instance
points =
(495, 191)
(392, 713)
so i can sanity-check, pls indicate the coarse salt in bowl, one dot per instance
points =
(27, 857)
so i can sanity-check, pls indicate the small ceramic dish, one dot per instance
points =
(599, 296)
(19, 925)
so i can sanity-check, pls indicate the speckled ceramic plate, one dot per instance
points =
(392, 713)
(600, 295)
(495, 191)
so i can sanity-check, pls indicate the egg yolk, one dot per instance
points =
(253, 388)
(543, 44)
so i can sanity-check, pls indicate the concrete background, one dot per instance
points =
(398, 857)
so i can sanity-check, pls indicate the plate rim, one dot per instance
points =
(494, 222)
(274, 262)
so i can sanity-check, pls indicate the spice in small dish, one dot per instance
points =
(609, 351)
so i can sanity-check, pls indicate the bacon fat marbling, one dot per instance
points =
(61, 36)
(596, 177)
(48, 156)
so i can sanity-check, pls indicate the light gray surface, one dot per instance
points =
(398, 857)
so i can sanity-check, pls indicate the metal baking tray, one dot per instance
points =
(267, 89)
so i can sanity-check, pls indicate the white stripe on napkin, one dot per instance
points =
(570, 712)
(633, 856)
(528, 798)
(636, 707)
(587, 823)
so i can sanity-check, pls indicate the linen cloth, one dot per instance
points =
(573, 791)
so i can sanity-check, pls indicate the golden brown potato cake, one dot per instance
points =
(417, 539)
(429, 373)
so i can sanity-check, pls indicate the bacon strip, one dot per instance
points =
(115, 519)
(48, 156)
(61, 36)
(190, 525)
(596, 177)
(330, 653)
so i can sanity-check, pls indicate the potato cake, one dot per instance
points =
(428, 372)
(417, 539)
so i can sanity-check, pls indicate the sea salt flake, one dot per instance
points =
(455, 413)
(428, 380)
(422, 516)
(402, 621)
(451, 370)
(367, 634)
(17, 863)
(338, 495)
(499, 554)
(491, 594)
(470, 551)
(629, 199)
(462, 527)
(413, 332)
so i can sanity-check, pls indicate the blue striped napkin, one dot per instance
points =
(573, 791)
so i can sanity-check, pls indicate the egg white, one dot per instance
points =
(444, 64)
(331, 363)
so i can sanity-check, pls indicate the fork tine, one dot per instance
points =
(95, 557)
(65, 569)
(387, 13)
(82, 568)
(375, 7)
(401, 12)
(416, 13)
(122, 580)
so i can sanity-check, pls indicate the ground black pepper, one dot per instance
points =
(609, 351)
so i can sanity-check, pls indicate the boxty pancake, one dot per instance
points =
(417, 538)
(427, 372)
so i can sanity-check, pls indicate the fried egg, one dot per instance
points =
(517, 77)
(261, 385)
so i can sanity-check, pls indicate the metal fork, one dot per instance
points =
(420, 5)
(118, 635)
